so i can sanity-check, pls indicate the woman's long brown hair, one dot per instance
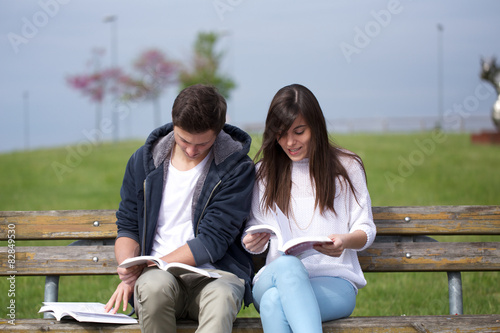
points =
(324, 156)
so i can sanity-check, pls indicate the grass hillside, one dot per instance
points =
(414, 169)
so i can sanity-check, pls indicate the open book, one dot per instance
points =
(85, 312)
(176, 268)
(300, 247)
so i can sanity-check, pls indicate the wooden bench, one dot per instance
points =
(403, 245)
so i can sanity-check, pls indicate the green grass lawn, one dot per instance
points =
(403, 170)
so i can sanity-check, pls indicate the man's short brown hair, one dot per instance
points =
(199, 108)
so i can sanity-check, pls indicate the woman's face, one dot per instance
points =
(295, 142)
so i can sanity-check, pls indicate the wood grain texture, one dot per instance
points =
(61, 224)
(380, 257)
(388, 256)
(437, 220)
(435, 256)
(402, 324)
(61, 260)
(423, 220)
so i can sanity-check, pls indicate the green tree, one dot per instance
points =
(205, 65)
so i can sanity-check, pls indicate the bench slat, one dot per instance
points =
(434, 256)
(399, 324)
(59, 224)
(380, 257)
(60, 260)
(431, 220)
(437, 220)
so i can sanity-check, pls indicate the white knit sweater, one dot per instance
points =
(350, 216)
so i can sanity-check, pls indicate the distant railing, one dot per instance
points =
(468, 124)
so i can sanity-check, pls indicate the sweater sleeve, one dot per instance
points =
(359, 206)
(257, 216)
(126, 215)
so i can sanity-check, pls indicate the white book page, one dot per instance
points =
(85, 312)
(142, 260)
(176, 267)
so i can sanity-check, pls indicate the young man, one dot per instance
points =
(185, 197)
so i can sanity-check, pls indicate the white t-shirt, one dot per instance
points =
(175, 225)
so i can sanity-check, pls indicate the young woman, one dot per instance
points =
(321, 188)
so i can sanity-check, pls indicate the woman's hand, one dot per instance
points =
(257, 242)
(353, 240)
(334, 249)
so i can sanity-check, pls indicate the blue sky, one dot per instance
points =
(362, 59)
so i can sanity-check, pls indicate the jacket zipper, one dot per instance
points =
(205, 207)
(145, 216)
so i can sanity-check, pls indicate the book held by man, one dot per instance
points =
(175, 268)
(300, 247)
(85, 312)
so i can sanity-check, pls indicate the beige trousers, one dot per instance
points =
(161, 298)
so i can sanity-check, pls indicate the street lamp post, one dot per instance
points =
(440, 76)
(26, 97)
(112, 19)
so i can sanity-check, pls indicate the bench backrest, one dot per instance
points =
(406, 250)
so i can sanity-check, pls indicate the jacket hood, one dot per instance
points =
(230, 142)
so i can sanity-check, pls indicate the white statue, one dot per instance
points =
(491, 72)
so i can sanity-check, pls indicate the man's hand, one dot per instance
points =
(131, 274)
(125, 288)
(257, 242)
(121, 294)
(124, 248)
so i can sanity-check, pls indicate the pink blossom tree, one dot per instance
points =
(98, 83)
(156, 72)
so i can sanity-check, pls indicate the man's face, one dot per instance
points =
(194, 146)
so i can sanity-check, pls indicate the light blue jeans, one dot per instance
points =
(289, 301)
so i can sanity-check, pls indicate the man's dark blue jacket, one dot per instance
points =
(221, 203)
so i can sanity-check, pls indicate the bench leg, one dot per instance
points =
(455, 293)
(51, 291)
